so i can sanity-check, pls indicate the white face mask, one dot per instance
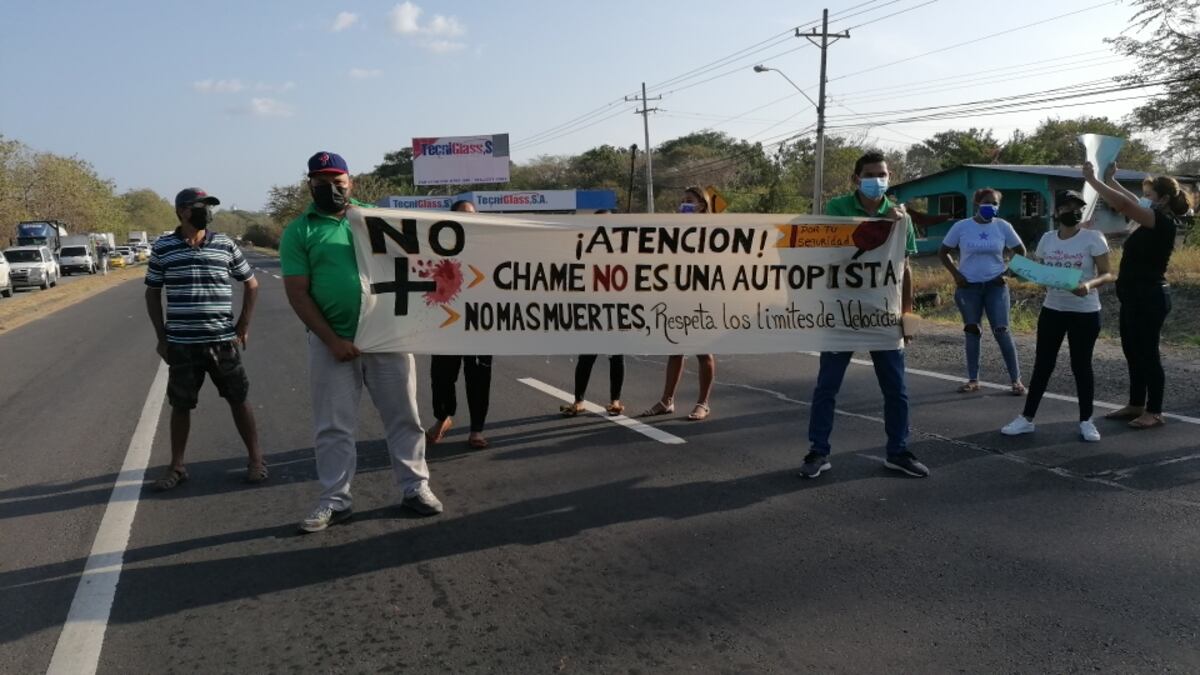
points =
(1145, 203)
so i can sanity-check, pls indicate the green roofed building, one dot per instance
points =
(1028, 196)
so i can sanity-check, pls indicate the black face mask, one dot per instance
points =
(1070, 218)
(200, 217)
(330, 198)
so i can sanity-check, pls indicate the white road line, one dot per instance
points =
(627, 422)
(79, 644)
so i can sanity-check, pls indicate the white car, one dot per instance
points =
(6, 287)
(77, 259)
(31, 266)
(128, 254)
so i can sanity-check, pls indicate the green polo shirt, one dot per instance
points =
(848, 205)
(321, 248)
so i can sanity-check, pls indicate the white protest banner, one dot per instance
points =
(1101, 151)
(460, 160)
(462, 283)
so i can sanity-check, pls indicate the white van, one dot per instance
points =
(77, 259)
(31, 266)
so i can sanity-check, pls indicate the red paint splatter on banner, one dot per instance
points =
(871, 235)
(448, 276)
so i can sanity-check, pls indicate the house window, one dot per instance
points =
(952, 205)
(1031, 204)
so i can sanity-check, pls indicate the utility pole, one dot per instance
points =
(645, 113)
(823, 45)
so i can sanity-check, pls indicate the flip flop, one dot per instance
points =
(615, 409)
(968, 388)
(437, 432)
(257, 474)
(1018, 389)
(700, 412)
(1138, 424)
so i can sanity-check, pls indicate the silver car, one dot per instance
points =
(31, 266)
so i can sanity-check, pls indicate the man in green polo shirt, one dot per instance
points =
(867, 201)
(320, 276)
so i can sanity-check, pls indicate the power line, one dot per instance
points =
(568, 132)
(972, 41)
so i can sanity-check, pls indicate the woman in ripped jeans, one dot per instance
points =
(984, 243)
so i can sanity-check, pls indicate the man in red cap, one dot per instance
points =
(320, 275)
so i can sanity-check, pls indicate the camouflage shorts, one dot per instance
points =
(188, 363)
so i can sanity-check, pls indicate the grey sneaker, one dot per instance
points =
(814, 464)
(907, 463)
(322, 517)
(422, 501)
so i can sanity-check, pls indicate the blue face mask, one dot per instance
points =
(687, 208)
(873, 188)
(1145, 203)
(988, 211)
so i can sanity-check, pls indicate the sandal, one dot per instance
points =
(172, 478)
(477, 443)
(1129, 412)
(659, 409)
(1018, 389)
(615, 408)
(257, 474)
(1155, 421)
(969, 387)
(700, 412)
(437, 432)
(571, 410)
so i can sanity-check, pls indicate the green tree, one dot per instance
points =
(1056, 142)
(397, 166)
(285, 202)
(948, 149)
(1164, 39)
(146, 210)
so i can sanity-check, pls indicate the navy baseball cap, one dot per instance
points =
(189, 196)
(1065, 196)
(327, 162)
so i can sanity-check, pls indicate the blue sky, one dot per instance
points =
(234, 96)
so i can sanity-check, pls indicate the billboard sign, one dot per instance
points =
(418, 202)
(460, 160)
(526, 200)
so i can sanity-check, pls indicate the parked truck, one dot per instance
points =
(48, 233)
(138, 237)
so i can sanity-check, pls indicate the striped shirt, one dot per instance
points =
(199, 293)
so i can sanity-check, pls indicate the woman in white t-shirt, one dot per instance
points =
(984, 244)
(1072, 314)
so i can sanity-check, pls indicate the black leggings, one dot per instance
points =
(477, 371)
(583, 373)
(1081, 330)
(1144, 309)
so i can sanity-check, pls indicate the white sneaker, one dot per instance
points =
(322, 517)
(1089, 432)
(423, 501)
(1018, 426)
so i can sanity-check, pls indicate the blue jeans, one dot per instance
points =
(973, 302)
(889, 370)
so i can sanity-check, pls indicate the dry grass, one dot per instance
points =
(29, 305)
(1182, 327)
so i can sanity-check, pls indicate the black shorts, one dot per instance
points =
(188, 363)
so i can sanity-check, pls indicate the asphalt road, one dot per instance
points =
(584, 546)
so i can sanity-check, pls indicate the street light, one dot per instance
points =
(819, 168)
